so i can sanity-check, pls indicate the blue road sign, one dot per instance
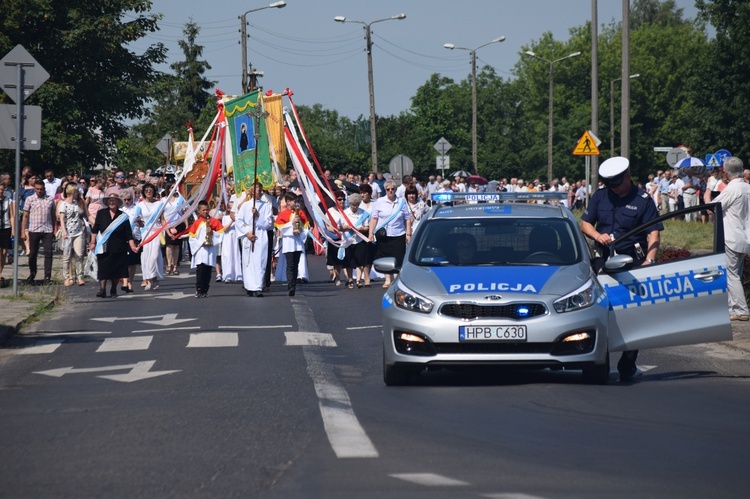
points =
(721, 155)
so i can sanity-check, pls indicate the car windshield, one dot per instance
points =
(495, 241)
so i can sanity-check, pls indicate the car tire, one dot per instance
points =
(597, 374)
(395, 375)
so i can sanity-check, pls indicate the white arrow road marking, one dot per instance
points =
(125, 344)
(346, 436)
(137, 371)
(646, 368)
(177, 295)
(166, 320)
(203, 340)
(429, 479)
(299, 338)
(40, 346)
(164, 329)
(76, 333)
(163, 320)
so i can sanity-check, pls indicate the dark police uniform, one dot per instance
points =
(615, 215)
(612, 214)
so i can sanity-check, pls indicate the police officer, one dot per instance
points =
(612, 212)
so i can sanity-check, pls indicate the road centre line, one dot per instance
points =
(164, 329)
(364, 327)
(76, 333)
(255, 327)
(429, 479)
(346, 436)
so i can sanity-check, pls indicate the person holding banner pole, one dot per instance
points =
(253, 220)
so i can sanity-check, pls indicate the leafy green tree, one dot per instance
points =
(721, 97)
(97, 81)
(180, 99)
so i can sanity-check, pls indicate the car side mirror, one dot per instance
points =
(385, 265)
(618, 262)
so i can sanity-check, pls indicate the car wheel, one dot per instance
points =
(395, 375)
(597, 374)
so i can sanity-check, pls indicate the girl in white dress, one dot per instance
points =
(152, 263)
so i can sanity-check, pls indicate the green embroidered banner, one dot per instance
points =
(241, 120)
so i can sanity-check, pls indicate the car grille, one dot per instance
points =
(490, 348)
(473, 311)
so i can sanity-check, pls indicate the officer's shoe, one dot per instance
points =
(627, 371)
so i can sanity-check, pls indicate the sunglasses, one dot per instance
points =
(119, 176)
(341, 199)
(389, 189)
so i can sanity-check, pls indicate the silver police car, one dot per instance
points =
(512, 284)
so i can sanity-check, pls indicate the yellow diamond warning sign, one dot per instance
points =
(586, 146)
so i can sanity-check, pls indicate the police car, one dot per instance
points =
(511, 283)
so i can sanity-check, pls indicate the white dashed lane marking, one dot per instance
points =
(40, 346)
(429, 479)
(300, 338)
(209, 340)
(125, 344)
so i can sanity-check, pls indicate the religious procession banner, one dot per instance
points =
(247, 143)
(181, 148)
(275, 123)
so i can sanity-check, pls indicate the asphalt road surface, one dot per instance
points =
(160, 394)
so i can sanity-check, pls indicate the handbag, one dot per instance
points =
(381, 233)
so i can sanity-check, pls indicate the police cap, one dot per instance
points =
(612, 171)
(613, 167)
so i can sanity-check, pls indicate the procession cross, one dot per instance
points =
(256, 116)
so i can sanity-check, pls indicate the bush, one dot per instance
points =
(671, 253)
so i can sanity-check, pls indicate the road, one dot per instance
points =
(160, 394)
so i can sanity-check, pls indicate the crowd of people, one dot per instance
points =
(255, 236)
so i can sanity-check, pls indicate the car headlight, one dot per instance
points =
(581, 298)
(409, 300)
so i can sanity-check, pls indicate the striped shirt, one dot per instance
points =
(41, 213)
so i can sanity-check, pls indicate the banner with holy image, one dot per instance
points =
(247, 143)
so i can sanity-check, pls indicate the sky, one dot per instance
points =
(302, 48)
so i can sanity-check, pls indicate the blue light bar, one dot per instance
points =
(495, 197)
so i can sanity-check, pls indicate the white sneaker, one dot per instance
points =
(218, 277)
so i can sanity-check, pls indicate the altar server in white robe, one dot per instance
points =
(254, 239)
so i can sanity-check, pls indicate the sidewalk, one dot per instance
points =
(33, 300)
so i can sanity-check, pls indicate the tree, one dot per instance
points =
(722, 97)
(96, 80)
(179, 99)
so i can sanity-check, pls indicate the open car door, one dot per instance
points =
(669, 303)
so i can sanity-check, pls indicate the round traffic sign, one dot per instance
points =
(674, 155)
(400, 165)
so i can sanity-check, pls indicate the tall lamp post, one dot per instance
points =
(373, 136)
(473, 53)
(549, 126)
(243, 38)
(612, 113)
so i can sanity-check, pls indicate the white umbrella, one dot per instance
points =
(461, 173)
(695, 165)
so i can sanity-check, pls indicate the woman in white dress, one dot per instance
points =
(152, 263)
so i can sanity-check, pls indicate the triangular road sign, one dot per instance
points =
(586, 146)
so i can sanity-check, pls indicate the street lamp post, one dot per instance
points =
(473, 53)
(243, 38)
(549, 125)
(612, 113)
(368, 40)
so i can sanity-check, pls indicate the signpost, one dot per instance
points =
(674, 155)
(20, 76)
(588, 145)
(401, 165)
(442, 146)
